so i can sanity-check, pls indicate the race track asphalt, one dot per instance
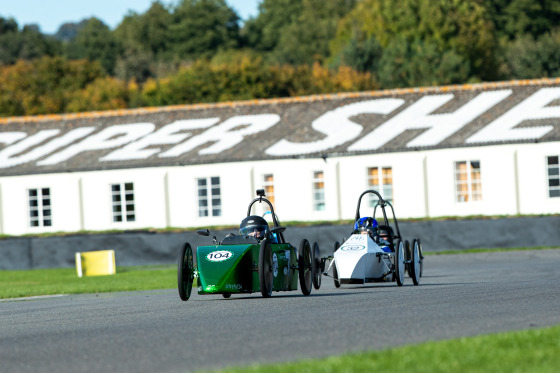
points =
(154, 331)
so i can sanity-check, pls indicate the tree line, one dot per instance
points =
(199, 51)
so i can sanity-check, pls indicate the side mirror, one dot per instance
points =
(204, 232)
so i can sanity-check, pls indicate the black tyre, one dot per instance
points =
(226, 295)
(407, 257)
(399, 262)
(335, 277)
(266, 275)
(421, 253)
(414, 266)
(316, 266)
(185, 272)
(305, 267)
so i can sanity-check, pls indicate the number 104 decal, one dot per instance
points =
(218, 256)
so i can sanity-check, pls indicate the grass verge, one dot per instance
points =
(23, 283)
(533, 351)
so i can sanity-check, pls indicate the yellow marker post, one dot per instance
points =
(95, 263)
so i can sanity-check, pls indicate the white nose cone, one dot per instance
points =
(356, 259)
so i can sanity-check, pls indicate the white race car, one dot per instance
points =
(361, 259)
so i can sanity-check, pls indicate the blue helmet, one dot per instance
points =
(366, 223)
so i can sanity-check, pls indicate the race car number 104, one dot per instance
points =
(218, 256)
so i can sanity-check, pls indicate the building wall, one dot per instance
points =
(514, 181)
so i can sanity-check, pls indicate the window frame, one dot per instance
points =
(381, 185)
(268, 186)
(473, 195)
(550, 177)
(212, 196)
(123, 190)
(42, 219)
(318, 186)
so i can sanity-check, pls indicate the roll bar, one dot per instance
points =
(260, 199)
(381, 203)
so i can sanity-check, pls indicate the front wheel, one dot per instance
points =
(316, 266)
(400, 262)
(265, 268)
(335, 277)
(185, 272)
(305, 267)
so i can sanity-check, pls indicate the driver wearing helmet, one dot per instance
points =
(366, 225)
(255, 226)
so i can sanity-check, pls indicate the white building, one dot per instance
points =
(488, 149)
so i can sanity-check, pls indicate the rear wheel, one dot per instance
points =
(335, 277)
(305, 267)
(407, 256)
(316, 266)
(265, 269)
(335, 272)
(399, 262)
(185, 272)
(226, 295)
(414, 265)
(421, 256)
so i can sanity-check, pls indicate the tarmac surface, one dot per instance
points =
(154, 331)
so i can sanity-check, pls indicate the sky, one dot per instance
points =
(51, 14)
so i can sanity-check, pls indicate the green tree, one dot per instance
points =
(462, 26)
(295, 31)
(68, 31)
(264, 31)
(247, 78)
(306, 39)
(147, 32)
(516, 18)
(528, 57)
(44, 85)
(200, 28)
(420, 63)
(361, 56)
(26, 44)
(104, 93)
(95, 42)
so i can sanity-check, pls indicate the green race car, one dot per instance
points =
(258, 259)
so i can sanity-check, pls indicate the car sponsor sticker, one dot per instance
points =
(234, 287)
(352, 247)
(219, 256)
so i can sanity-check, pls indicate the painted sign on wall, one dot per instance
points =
(340, 124)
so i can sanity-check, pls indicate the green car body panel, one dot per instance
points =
(223, 269)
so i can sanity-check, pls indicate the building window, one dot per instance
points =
(123, 202)
(318, 191)
(553, 176)
(268, 185)
(40, 213)
(209, 197)
(468, 185)
(380, 179)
